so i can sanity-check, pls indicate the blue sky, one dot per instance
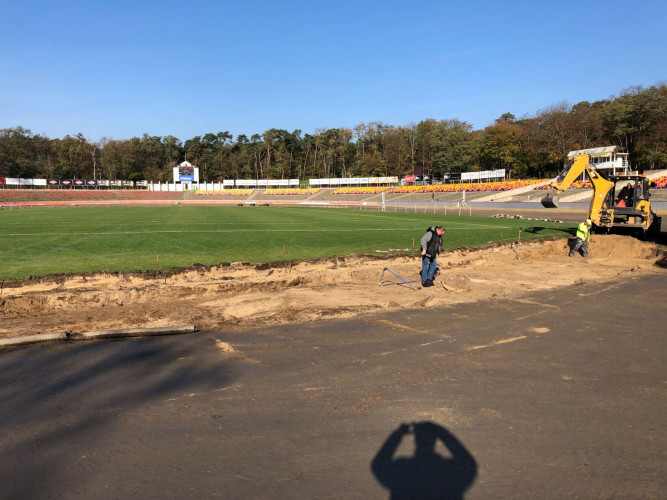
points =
(185, 68)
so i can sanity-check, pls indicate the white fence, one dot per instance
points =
(484, 175)
(353, 181)
(12, 181)
(234, 183)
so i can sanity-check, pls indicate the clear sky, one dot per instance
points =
(185, 68)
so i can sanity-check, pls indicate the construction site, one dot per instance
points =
(520, 370)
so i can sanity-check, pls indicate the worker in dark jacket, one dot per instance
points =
(431, 246)
(626, 196)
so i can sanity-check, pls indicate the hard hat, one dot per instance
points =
(589, 222)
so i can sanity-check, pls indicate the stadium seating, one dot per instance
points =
(660, 182)
(23, 195)
(468, 187)
(360, 190)
(292, 192)
(575, 185)
(224, 192)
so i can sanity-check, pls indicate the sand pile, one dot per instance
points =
(239, 295)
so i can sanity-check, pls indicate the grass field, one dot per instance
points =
(43, 241)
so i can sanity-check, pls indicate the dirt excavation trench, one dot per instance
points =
(241, 295)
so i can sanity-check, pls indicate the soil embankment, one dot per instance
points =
(243, 295)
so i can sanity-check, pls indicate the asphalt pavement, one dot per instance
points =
(557, 394)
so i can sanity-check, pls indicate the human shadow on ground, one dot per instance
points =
(58, 401)
(427, 474)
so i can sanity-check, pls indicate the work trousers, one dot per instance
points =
(428, 268)
(580, 244)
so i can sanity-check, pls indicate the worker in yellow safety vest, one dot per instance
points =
(583, 237)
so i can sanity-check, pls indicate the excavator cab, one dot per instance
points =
(628, 203)
(629, 191)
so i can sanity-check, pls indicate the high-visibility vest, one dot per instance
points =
(582, 231)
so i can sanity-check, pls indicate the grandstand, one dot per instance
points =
(223, 192)
(505, 191)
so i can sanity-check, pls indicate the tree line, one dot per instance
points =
(532, 146)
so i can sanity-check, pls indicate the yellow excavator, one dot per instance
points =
(619, 203)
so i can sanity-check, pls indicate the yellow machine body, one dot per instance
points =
(611, 207)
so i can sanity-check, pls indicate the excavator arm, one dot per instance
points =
(580, 164)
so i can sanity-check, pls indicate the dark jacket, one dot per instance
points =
(432, 242)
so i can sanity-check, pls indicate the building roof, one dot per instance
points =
(603, 151)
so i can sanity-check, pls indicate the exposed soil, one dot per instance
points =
(241, 295)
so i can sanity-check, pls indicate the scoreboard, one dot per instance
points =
(186, 172)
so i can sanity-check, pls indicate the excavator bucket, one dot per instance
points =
(550, 201)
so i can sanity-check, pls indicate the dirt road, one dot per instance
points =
(556, 394)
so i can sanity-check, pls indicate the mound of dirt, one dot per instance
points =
(240, 295)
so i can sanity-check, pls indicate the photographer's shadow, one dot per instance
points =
(427, 474)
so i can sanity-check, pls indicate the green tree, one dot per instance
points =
(193, 150)
(587, 124)
(426, 130)
(502, 146)
(17, 153)
(452, 148)
(634, 122)
(506, 117)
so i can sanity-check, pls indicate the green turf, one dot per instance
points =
(37, 242)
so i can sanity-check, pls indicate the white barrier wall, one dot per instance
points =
(249, 183)
(484, 175)
(353, 181)
(13, 181)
